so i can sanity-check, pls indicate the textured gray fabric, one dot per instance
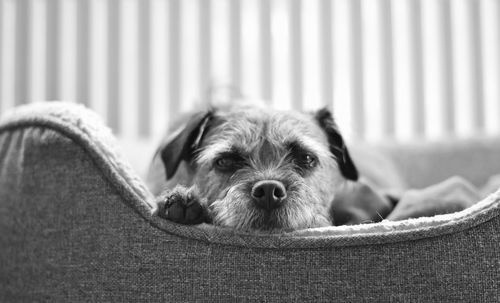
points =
(71, 230)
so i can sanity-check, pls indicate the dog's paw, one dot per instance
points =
(181, 205)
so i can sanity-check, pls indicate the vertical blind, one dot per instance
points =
(389, 69)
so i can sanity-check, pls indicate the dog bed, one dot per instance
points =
(76, 224)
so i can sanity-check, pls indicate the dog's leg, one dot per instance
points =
(181, 205)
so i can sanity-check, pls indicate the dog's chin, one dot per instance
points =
(271, 222)
(236, 210)
(279, 221)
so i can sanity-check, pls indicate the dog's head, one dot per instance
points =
(259, 168)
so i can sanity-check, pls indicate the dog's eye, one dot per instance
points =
(302, 157)
(309, 160)
(228, 163)
(224, 162)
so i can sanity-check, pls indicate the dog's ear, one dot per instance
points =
(337, 144)
(184, 142)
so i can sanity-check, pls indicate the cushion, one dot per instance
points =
(78, 224)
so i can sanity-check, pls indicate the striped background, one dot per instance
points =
(390, 69)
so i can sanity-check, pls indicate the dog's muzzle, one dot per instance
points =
(268, 194)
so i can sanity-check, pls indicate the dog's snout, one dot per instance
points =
(268, 194)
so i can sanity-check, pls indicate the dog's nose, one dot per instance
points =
(268, 194)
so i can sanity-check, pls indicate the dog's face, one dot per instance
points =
(261, 169)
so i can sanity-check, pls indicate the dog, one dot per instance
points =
(252, 168)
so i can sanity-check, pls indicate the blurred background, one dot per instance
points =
(391, 70)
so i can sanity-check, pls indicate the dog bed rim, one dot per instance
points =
(88, 131)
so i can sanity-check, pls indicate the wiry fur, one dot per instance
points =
(262, 136)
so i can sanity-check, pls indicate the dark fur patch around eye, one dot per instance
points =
(229, 161)
(303, 159)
